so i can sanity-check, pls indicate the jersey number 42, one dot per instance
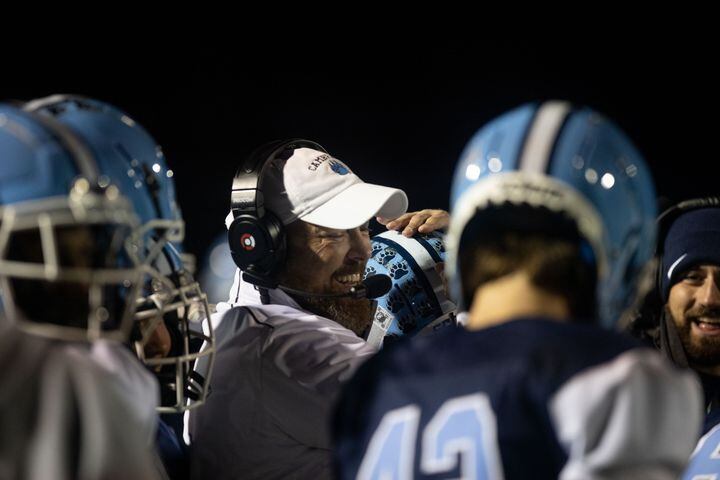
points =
(463, 430)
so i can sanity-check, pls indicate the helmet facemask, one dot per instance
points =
(173, 305)
(68, 266)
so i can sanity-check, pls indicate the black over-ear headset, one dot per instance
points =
(652, 312)
(256, 236)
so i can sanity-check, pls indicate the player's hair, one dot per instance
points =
(554, 264)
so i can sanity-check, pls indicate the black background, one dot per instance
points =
(399, 113)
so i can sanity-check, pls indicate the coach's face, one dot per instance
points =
(326, 260)
(694, 306)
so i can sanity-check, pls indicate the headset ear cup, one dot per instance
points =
(257, 245)
(248, 241)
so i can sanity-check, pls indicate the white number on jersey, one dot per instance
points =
(463, 427)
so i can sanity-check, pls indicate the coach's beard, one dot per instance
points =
(355, 314)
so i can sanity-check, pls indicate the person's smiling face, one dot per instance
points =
(326, 260)
(694, 306)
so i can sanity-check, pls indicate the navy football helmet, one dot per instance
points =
(418, 302)
(573, 162)
(129, 157)
(68, 267)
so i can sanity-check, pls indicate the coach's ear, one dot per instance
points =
(423, 221)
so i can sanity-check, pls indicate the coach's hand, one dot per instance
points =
(424, 221)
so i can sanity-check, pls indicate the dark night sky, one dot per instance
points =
(398, 114)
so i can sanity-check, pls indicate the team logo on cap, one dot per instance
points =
(339, 168)
(247, 241)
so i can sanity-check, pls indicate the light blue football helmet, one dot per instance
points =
(130, 158)
(67, 240)
(418, 302)
(568, 160)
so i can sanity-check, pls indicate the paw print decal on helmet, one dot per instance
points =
(399, 270)
(386, 256)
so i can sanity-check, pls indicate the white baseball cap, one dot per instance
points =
(317, 188)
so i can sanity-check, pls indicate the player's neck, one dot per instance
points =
(513, 296)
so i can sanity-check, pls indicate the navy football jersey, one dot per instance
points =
(527, 399)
